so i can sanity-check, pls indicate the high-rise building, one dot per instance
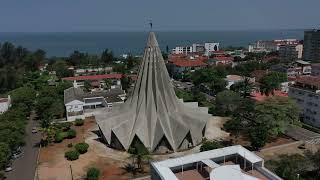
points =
(311, 45)
(290, 52)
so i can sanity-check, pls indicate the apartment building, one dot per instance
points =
(311, 43)
(306, 92)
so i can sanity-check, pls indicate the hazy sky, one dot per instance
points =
(133, 15)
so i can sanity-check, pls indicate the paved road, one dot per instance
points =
(301, 134)
(25, 166)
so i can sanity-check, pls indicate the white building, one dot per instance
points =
(182, 50)
(229, 163)
(5, 104)
(80, 104)
(269, 46)
(78, 81)
(205, 48)
(306, 92)
(211, 47)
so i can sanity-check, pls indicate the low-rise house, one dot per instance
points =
(178, 64)
(297, 68)
(87, 71)
(229, 163)
(306, 92)
(5, 104)
(233, 79)
(220, 58)
(78, 81)
(80, 104)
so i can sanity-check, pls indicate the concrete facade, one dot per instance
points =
(153, 116)
(306, 92)
(311, 51)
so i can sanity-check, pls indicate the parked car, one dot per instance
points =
(34, 130)
(8, 168)
(17, 154)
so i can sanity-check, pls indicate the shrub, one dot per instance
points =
(70, 145)
(210, 145)
(72, 155)
(82, 147)
(59, 137)
(64, 126)
(79, 122)
(93, 174)
(71, 133)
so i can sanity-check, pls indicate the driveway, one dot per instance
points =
(25, 166)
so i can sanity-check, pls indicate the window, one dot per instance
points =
(75, 106)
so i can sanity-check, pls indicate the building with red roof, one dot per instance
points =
(179, 63)
(78, 81)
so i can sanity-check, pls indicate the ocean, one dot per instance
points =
(64, 43)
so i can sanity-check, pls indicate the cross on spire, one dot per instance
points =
(150, 23)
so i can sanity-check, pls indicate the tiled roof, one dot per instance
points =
(309, 80)
(223, 58)
(94, 77)
(189, 63)
(186, 61)
(259, 97)
(234, 78)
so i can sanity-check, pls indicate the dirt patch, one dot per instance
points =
(244, 141)
(53, 165)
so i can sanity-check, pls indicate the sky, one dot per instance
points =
(166, 15)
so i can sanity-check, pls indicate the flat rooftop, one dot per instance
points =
(203, 165)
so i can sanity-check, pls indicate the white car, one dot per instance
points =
(34, 130)
(8, 169)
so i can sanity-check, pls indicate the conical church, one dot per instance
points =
(153, 115)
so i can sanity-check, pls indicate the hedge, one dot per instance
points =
(82, 147)
(72, 155)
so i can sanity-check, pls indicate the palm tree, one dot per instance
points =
(244, 88)
(139, 155)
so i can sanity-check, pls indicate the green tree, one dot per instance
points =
(271, 82)
(227, 102)
(4, 154)
(210, 145)
(107, 84)
(125, 83)
(244, 88)
(61, 68)
(139, 154)
(107, 56)
(289, 166)
(87, 85)
(273, 115)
